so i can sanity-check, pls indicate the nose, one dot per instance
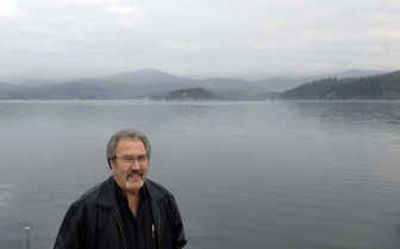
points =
(135, 164)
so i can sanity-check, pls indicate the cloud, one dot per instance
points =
(219, 37)
(8, 9)
(123, 10)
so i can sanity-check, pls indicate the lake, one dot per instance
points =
(273, 174)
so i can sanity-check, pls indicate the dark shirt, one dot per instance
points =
(137, 229)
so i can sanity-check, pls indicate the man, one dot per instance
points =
(126, 211)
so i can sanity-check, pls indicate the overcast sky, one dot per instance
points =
(59, 38)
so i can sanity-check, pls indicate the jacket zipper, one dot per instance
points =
(157, 222)
(120, 229)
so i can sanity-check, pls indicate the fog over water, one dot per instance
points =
(245, 174)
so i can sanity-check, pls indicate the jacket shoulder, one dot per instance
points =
(90, 196)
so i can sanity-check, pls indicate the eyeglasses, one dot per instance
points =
(128, 160)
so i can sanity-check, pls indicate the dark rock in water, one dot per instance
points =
(196, 93)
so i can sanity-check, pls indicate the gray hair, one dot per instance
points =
(129, 134)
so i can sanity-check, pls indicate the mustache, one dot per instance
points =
(134, 172)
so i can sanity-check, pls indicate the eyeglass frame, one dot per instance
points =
(129, 160)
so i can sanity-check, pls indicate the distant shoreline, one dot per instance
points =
(152, 101)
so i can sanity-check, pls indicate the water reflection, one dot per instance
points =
(350, 112)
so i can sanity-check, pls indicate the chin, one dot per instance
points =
(133, 186)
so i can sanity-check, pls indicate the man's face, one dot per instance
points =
(131, 165)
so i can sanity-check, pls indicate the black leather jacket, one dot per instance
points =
(94, 221)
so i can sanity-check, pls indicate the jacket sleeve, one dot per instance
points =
(69, 234)
(179, 239)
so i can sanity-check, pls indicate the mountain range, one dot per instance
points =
(151, 83)
(381, 86)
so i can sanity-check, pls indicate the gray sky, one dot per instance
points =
(60, 38)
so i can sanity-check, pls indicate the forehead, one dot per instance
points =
(130, 144)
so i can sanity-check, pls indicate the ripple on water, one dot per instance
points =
(5, 193)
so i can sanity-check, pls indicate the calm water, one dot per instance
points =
(246, 175)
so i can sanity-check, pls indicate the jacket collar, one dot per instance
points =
(106, 194)
(107, 197)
